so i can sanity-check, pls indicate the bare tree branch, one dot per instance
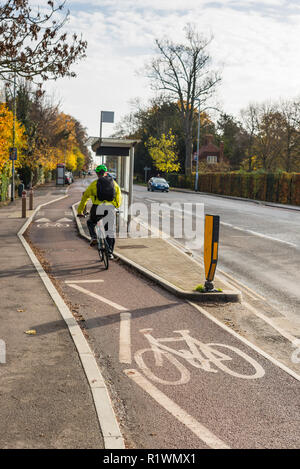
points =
(183, 71)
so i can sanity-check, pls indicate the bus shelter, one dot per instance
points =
(118, 155)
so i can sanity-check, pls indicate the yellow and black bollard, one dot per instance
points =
(211, 245)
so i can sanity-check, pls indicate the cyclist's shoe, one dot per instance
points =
(111, 256)
(93, 242)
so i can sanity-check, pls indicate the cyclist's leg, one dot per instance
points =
(92, 222)
(110, 226)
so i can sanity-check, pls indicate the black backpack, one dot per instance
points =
(106, 188)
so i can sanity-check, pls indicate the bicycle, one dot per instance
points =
(199, 355)
(102, 245)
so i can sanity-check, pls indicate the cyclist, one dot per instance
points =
(106, 197)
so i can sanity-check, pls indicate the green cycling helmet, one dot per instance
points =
(100, 168)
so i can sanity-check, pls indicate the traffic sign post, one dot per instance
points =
(146, 169)
(13, 153)
(211, 245)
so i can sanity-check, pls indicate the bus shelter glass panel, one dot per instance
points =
(123, 174)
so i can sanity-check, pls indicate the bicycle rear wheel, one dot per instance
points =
(100, 249)
(103, 252)
(105, 258)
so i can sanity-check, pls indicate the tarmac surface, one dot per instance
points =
(207, 389)
(259, 244)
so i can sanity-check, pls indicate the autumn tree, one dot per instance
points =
(6, 121)
(33, 45)
(182, 71)
(51, 136)
(163, 152)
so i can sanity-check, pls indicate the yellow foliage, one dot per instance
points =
(6, 137)
(163, 152)
(71, 161)
(80, 159)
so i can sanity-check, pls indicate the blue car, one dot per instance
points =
(158, 184)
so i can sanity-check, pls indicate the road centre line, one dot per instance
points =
(229, 225)
(254, 233)
(125, 339)
(190, 422)
(98, 297)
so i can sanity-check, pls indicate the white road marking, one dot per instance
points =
(247, 342)
(254, 233)
(63, 220)
(83, 281)
(190, 422)
(42, 220)
(271, 322)
(98, 297)
(125, 338)
(53, 225)
(244, 230)
(202, 356)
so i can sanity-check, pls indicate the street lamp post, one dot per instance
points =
(13, 142)
(198, 146)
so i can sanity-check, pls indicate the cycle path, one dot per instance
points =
(187, 402)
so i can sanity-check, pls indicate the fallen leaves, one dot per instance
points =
(31, 332)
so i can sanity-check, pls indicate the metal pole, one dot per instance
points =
(101, 135)
(198, 146)
(130, 188)
(13, 142)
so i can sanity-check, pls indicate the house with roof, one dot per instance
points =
(209, 153)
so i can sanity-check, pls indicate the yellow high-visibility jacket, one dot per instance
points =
(91, 193)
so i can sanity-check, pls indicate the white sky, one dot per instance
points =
(256, 46)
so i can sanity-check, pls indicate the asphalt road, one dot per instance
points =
(209, 390)
(259, 245)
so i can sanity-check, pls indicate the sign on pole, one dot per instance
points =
(107, 116)
(13, 153)
(211, 245)
(146, 169)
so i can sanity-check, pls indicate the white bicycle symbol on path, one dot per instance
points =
(53, 225)
(206, 357)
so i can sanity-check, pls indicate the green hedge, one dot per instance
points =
(281, 187)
